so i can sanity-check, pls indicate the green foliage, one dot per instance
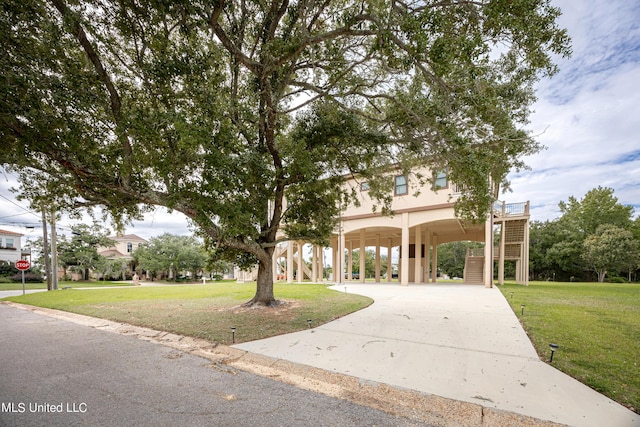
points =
(611, 248)
(28, 278)
(223, 111)
(80, 252)
(577, 243)
(451, 257)
(369, 264)
(7, 269)
(168, 252)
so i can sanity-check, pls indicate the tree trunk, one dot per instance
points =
(264, 286)
(601, 275)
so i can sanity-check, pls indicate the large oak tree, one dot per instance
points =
(224, 110)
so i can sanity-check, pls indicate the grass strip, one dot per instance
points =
(206, 311)
(596, 325)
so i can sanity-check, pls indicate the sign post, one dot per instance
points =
(23, 265)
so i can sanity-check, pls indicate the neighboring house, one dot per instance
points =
(123, 247)
(10, 246)
(422, 220)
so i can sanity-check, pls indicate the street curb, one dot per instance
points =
(421, 407)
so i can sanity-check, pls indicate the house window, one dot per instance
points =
(364, 186)
(401, 187)
(440, 179)
(9, 243)
(129, 247)
(1, 243)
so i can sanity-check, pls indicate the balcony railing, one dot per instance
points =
(503, 209)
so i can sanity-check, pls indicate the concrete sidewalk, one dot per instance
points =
(460, 342)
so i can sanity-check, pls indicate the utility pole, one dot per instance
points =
(54, 252)
(45, 244)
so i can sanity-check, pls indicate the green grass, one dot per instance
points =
(72, 284)
(596, 325)
(206, 311)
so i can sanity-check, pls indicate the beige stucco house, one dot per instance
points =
(422, 219)
(123, 246)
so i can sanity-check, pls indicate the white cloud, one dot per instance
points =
(587, 115)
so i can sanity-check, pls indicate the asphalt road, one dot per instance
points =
(56, 373)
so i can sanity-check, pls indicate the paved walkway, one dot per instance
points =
(461, 342)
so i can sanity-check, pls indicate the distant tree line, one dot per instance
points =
(595, 238)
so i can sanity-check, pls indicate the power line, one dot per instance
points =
(21, 207)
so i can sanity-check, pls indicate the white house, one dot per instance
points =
(422, 219)
(10, 246)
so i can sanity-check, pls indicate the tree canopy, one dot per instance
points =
(223, 110)
(171, 254)
(595, 233)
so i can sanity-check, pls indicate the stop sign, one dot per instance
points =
(23, 265)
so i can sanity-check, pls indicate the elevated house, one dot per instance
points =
(422, 219)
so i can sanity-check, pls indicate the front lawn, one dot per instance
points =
(596, 325)
(206, 311)
(15, 286)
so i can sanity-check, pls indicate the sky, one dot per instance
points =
(587, 116)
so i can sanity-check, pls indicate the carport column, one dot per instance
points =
(389, 262)
(339, 270)
(427, 255)
(350, 261)
(525, 261)
(488, 252)
(274, 263)
(434, 260)
(377, 258)
(300, 261)
(503, 225)
(314, 263)
(404, 258)
(320, 263)
(290, 261)
(362, 256)
(418, 255)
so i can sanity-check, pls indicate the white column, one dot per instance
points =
(350, 260)
(525, 261)
(362, 255)
(427, 255)
(503, 227)
(340, 271)
(404, 260)
(418, 255)
(290, 261)
(488, 252)
(389, 262)
(434, 259)
(377, 258)
(274, 263)
(300, 244)
(314, 263)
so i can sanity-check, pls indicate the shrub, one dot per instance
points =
(28, 278)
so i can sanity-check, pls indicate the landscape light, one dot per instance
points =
(553, 348)
(522, 306)
(233, 335)
(309, 323)
(511, 296)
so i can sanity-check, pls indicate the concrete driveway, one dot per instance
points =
(461, 342)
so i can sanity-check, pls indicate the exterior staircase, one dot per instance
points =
(473, 268)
